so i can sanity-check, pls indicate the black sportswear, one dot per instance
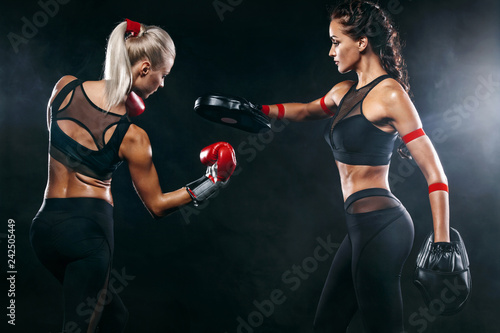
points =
(366, 271)
(73, 239)
(100, 162)
(353, 138)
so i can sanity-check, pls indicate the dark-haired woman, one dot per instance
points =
(366, 117)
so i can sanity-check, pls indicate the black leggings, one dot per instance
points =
(73, 239)
(366, 271)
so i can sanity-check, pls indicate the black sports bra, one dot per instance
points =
(353, 138)
(101, 162)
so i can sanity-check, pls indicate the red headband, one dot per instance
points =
(133, 28)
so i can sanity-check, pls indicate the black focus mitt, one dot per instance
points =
(232, 111)
(442, 274)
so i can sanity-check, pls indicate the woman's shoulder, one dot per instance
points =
(135, 144)
(388, 93)
(136, 135)
(340, 89)
(390, 90)
(64, 81)
(390, 99)
(344, 85)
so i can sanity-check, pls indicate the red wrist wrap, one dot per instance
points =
(265, 109)
(325, 108)
(413, 135)
(438, 187)
(281, 111)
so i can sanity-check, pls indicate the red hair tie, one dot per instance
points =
(133, 28)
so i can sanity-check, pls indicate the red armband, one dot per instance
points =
(413, 135)
(325, 108)
(266, 109)
(438, 187)
(281, 111)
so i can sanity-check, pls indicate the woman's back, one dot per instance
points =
(85, 140)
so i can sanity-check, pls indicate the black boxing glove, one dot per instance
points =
(442, 273)
(445, 257)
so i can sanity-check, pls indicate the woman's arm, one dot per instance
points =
(318, 109)
(404, 118)
(136, 150)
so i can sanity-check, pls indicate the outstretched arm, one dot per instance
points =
(320, 108)
(405, 119)
(136, 150)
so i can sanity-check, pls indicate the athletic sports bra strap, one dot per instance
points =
(375, 82)
(122, 128)
(62, 95)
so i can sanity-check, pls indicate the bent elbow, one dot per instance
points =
(158, 211)
(155, 214)
(154, 208)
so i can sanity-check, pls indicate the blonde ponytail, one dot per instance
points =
(152, 43)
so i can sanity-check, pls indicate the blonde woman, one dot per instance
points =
(90, 136)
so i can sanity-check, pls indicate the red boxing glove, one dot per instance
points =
(222, 155)
(134, 104)
(220, 160)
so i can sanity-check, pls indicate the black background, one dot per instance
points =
(198, 271)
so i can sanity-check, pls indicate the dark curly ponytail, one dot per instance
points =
(364, 18)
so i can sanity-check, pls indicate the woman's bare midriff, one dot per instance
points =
(355, 178)
(66, 183)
